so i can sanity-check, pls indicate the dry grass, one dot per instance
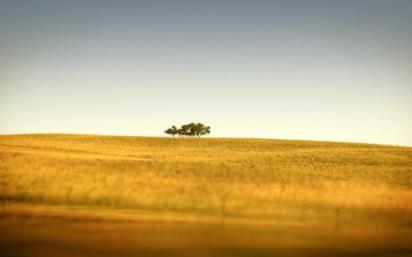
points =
(335, 186)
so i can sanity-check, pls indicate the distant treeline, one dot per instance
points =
(191, 130)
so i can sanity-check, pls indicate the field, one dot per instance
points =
(85, 195)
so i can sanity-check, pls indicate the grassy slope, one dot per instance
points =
(289, 183)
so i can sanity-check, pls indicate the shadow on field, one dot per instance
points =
(52, 236)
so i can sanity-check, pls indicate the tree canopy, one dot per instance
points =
(191, 130)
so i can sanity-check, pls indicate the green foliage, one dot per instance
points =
(191, 130)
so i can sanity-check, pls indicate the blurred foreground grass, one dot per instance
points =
(225, 197)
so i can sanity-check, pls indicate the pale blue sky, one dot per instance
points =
(318, 70)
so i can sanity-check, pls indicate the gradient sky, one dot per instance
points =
(319, 70)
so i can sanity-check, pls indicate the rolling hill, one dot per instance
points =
(86, 195)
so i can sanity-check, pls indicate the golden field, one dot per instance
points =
(85, 195)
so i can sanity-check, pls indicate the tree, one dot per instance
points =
(185, 130)
(198, 128)
(191, 130)
(205, 131)
(172, 131)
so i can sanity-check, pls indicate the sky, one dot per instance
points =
(314, 70)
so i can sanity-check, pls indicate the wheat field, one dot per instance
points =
(86, 195)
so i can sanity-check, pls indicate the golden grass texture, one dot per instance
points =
(233, 177)
(287, 184)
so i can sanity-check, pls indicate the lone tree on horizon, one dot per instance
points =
(191, 130)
